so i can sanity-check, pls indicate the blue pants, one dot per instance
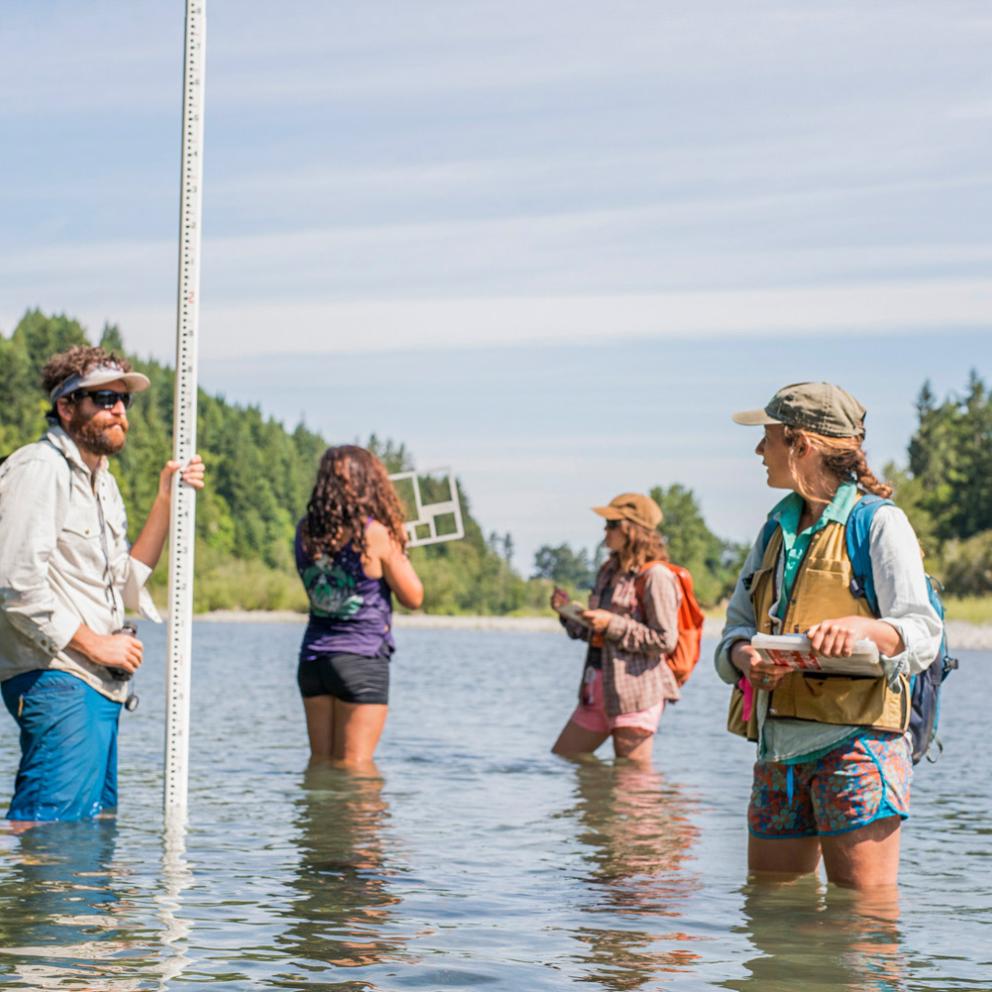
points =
(68, 767)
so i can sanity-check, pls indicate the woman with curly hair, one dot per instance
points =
(350, 553)
(631, 626)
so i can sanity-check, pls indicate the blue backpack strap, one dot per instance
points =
(925, 688)
(858, 536)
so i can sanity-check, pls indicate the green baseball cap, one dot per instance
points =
(820, 407)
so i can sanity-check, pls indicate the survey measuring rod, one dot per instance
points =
(433, 522)
(183, 519)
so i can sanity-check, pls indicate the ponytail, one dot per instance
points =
(867, 480)
(844, 458)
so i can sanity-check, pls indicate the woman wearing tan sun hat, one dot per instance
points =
(625, 681)
(834, 760)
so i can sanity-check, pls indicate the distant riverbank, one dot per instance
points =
(434, 621)
(960, 634)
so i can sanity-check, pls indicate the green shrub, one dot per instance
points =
(970, 609)
(966, 566)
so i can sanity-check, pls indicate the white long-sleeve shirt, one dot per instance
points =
(64, 561)
(903, 602)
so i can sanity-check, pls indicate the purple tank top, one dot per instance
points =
(349, 612)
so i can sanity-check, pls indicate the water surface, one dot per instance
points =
(475, 859)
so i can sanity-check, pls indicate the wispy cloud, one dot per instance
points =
(416, 324)
(477, 165)
(431, 176)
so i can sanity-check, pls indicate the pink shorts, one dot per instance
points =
(594, 717)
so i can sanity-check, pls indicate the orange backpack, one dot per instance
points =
(683, 659)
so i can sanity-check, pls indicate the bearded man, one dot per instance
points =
(67, 575)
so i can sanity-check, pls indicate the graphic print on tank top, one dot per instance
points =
(332, 590)
(349, 612)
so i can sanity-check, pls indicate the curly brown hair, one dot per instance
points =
(843, 458)
(642, 544)
(78, 361)
(352, 487)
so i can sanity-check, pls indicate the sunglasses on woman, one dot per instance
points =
(106, 399)
(612, 524)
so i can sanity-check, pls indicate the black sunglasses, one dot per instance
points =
(612, 524)
(106, 399)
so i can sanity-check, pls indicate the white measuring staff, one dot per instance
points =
(182, 524)
(428, 514)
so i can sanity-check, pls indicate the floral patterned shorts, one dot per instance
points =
(865, 778)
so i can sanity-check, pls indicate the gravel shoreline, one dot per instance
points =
(960, 634)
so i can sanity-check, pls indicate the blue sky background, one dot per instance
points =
(553, 245)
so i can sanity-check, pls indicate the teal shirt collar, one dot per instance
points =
(788, 511)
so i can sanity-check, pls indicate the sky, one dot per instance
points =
(551, 245)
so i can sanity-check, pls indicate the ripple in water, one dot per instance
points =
(473, 859)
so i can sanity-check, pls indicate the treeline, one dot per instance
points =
(713, 562)
(261, 475)
(946, 486)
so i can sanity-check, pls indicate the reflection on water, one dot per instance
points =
(637, 838)
(177, 876)
(344, 908)
(482, 863)
(807, 934)
(71, 916)
(62, 905)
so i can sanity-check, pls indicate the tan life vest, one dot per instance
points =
(822, 591)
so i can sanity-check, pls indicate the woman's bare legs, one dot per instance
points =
(575, 740)
(345, 732)
(867, 858)
(864, 859)
(320, 726)
(357, 729)
(785, 857)
(628, 742)
(633, 744)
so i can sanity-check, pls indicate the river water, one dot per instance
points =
(475, 859)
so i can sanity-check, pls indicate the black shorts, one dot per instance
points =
(352, 678)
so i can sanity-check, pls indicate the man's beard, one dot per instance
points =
(94, 438)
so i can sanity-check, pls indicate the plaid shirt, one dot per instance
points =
(638, 639)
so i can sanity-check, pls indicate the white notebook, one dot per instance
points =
(794, 651)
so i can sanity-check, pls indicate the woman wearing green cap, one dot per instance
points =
(834, 761)
(631, 627)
